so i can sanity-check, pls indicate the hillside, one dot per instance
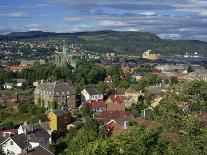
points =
(120, 42)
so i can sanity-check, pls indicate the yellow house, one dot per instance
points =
(132, 93)
(59, 119)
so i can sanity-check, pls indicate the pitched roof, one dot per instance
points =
(40, 125)
(117, 91)
(93, 90)
(37, 135)
(39, 150)
(57, 86)
(2, 139)
(118, 99)
(21, 140)
(96, 104)
(14, 68)
(61, 112)
(116, 115)
(131, 90)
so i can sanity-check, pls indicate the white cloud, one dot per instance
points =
(109, 23)
(70, 19)
(14, 15)
(148, 13)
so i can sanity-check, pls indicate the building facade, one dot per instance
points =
(59, 92)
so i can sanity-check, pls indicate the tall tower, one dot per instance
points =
(64, 58)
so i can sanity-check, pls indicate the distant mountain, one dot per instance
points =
(120, 42)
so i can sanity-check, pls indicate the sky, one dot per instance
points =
(170, 19)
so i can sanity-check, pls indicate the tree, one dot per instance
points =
(190, 69)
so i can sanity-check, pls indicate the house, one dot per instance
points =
(41, 128)
(116, 91)
(8, 86)
(108, 79)
(31, 62)
(39, 150)
(133, 93)
(15, 145)
(59, 119)
(107, 116)
(8, 132)
(114, 103)
(18, 68)
(137, 77)
(127, 69)
(20, 82)
(156, 101)
(76, 124)
(156, 90)
(97, 105)
(91, 93)
(171, 67)
(60, 92)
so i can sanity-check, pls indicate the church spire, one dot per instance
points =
(64, 50)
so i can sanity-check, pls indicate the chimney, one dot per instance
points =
(25, 123)
(126, 124)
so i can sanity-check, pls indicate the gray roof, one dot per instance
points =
(41, 125)
(61, 112)
(2, 139)
(155, 89)
(57, 86)
(37, 135)
(21, 140)
(93, 90)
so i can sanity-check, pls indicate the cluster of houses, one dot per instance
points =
(31, 138)
(112, 112)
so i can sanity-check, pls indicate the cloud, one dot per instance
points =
(172, 19)
(109, 23)
(33, 6)
(15, 15)
(71, 19)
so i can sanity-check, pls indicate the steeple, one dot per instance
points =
(64, 50)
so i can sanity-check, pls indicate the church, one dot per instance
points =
(64, 58)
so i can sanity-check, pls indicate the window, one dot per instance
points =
(11, 142)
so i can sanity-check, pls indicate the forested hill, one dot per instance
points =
(120, 42)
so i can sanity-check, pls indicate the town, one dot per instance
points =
(103, 77)
(69, 104)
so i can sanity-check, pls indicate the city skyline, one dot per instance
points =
(173, 19)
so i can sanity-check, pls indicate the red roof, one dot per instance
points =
(97, 104)
(108, 115)
(117, 99)
(15, 68)
(108, 79)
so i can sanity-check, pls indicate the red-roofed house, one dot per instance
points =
(97, 105)
(114, 103)
(114, 121)
(108, 79)
(8, 133)
(19, 68)
(106, 116)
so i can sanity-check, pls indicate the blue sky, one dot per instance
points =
(171, 19)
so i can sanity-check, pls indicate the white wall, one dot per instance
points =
(12, 148)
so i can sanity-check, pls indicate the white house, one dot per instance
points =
(16, 144)
(37, 133)
(20, 82)
(91, 93)
(8, 86)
